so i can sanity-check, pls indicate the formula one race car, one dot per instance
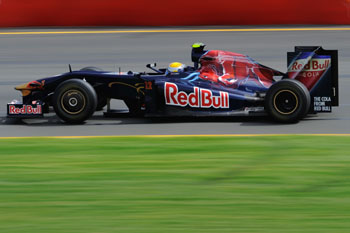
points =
(220, 83)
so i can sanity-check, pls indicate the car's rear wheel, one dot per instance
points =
(287, 101)
(74, 101)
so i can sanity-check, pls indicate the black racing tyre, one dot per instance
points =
(287, 101)
(74, 101)
(91, 68)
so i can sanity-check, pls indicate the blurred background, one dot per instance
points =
(250, 182)
(31, 13)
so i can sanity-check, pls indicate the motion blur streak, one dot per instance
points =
(19, 13)
(177, 30)
(180, 135)
(156, 185)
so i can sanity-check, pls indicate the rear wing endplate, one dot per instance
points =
(329, 85)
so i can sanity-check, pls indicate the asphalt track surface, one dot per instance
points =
(29, 56)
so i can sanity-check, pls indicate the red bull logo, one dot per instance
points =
(316, 64)
(24, 110)
(199, 98)
(309, 71)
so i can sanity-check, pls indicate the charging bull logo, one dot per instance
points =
(309, 71)
(199, 98)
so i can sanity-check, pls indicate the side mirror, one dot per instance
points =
(151, 65)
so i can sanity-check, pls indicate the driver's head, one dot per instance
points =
(176, 67)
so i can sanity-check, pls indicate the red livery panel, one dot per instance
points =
(234, 69)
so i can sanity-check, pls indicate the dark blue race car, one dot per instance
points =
(219, 83)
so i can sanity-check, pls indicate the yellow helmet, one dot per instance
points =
(175, 67)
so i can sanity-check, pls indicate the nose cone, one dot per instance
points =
(27, 88)
(24, 89)
(21, 87)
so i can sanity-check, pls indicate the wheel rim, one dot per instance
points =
(285, 102)
(73, 102)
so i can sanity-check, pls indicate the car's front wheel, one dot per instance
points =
(74, 101)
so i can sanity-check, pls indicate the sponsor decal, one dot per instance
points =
(315, 64)
(14, 109)
(322, 104)
(309, 71)
(199, 98)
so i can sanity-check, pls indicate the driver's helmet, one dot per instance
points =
(176, 67)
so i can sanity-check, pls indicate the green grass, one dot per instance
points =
(276, 184)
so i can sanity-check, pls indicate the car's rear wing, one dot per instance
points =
(317, 69)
